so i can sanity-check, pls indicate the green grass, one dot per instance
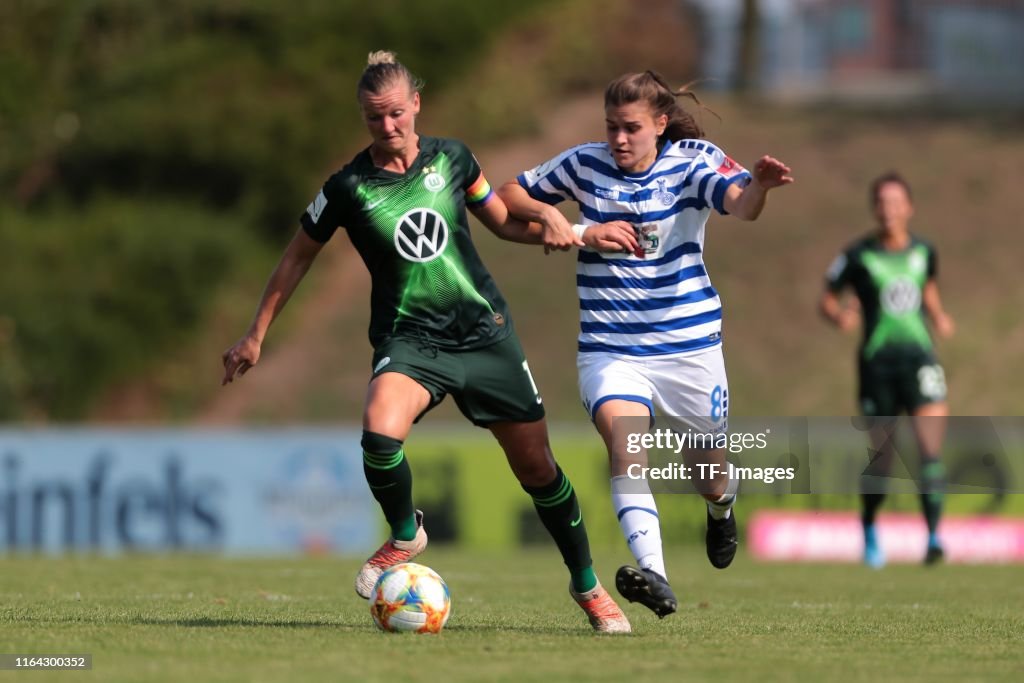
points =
(209, 619)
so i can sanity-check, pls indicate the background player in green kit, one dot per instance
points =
(438, 324)
(892, 273)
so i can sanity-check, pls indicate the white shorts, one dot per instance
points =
(691, 386)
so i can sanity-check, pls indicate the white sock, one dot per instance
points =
(638, 517)
(721, 507)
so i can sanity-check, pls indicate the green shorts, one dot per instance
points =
(489, 384)
(898, 381)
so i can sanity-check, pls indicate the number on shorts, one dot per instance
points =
(533, 385)
(931, 381)
(719, 403)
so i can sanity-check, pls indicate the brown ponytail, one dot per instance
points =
(651, 88)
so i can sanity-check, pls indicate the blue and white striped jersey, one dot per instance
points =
(659, 300)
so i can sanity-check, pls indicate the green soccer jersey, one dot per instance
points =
(412, 233)
(889, 285)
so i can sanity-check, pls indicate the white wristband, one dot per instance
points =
(579, 229)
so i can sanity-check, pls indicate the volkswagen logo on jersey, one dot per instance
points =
(421, 235)
(901, 296)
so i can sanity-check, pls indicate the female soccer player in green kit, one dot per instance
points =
(438, 323)
(892, 273)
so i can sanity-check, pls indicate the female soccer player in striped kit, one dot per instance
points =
(650, 320)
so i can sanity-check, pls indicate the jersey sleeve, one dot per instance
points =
(327, 212)
(717, 174)
(478, 190)
(838, 274)
(933, 263)
(552, 181)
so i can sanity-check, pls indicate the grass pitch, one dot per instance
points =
(183, 618)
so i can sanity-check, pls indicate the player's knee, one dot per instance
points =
(537, 470)
(619, 461)
(372, 442)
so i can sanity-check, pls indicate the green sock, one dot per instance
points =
(559, 511)
(390, 480)
(933, 484)
(583, 580)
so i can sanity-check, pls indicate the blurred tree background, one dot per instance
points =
(149, 153)
(152, 158)
(154, 161)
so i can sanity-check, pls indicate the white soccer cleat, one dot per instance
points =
(602, 612)
(388, 555)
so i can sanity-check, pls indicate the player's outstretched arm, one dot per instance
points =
(932, 302)
(556, 231)
(290, 270)
(846, 318)
(496, 217)
(747, 203)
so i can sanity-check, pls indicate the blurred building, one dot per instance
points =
(969, 51)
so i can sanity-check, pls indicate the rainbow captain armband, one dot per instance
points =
(479, 192)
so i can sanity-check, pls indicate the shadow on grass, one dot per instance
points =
(222, 622)
(339, 624)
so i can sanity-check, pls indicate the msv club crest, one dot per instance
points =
(663, 195)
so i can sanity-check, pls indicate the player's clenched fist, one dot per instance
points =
(240, 357)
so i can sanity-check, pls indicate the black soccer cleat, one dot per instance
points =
(721, 540)
(934, 555)
(647, 587)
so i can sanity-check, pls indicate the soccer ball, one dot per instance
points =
(410, 597)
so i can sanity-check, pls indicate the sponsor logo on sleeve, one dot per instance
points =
(535, 174)
(834, 270)
(317, 207)
(729, 167)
